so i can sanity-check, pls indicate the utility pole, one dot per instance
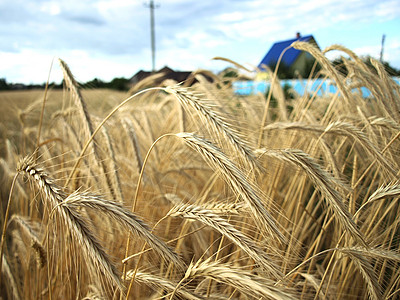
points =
(153, 38)
(382, 46)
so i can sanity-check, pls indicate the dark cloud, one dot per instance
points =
(86, 20)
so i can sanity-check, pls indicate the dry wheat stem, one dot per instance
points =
(101, 125)
(128, 126)
(3, 234)
(266, 107)
(5, 271)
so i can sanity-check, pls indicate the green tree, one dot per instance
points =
(3, 84)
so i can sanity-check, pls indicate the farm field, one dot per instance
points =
(178, 192)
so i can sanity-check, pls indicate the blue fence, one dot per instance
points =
(324, 87)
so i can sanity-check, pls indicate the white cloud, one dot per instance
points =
(188, 33)
(235, 16)
(27, 66)
(368, 50)
(52, 8)
(391, 52)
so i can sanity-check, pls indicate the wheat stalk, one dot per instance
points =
(87, 122)
(11, 285)
(129, 128)
(112, 177)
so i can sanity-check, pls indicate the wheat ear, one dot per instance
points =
(350, 53)
(77, 96)
(325, 183)
(325, 63)
(242, 280)
(36, 244)
(87, 122)
(384, 192)
(211, 118)
(157, 282)
(234, 177)
(225, 208)
(388, 85)
(209, 218)
(352, 131)
(341, 128)
(94, 293)
(366, 269)
(126, 218)
(77, 226)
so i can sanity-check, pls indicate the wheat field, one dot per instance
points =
(194, 192)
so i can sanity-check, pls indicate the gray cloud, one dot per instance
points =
(86, 20)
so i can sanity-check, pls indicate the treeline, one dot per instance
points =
(284, 72)
(121, 84)
(392, 71)
(288, 72)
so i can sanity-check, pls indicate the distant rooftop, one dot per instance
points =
(290, 56)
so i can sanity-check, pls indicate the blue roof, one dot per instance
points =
(290, 55)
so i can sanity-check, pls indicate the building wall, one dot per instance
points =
(303, 62)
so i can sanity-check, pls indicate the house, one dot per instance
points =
(294, 62)
(164, 73)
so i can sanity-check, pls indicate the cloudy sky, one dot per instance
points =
(107, 39)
